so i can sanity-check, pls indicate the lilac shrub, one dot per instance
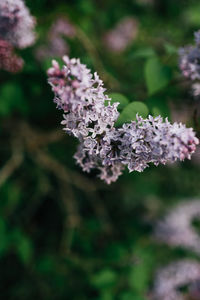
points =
(90, 117)
(16, 30)
(170, 279)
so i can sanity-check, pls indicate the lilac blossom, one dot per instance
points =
(170, 279)
(89, 116)
(177, 230)
(56, 44)
(196, 89)
(62, 26)
(9, 61)
(189, 63)
(16, 23)
(118, 38)
(16, 30)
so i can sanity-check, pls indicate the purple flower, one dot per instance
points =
(102, 146)
(176, 229)
(56, 44)
(189, 63)
(171, 278)
(9, 61)
(16, 23)
(16, 30)
(118, 38)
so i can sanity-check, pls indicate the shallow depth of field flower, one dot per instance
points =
(177, 274)
(189, 63)
(56, 44)
(103, 146)
(177, 227)
(16, 30)
(120, 37)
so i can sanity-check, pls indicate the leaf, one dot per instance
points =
(140, 273)
(130, 111)
(10, 194)
(130, 296)
(23, 246)
(170, 49)
(11, 98)
(157, 75)
(117, 97)
(144, 52)
(25, 250)
(192, 14)
(105, 279)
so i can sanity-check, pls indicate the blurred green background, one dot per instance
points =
(65, 234)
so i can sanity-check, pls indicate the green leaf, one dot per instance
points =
(130, 111)
(23, 246)
(170, 49)
(11, 195)
(144, 52)
(105, 279)
(117, 97)
(25, 250)
(157, 75)
(192, 14)
(140, 273)
(130, 296)
(11, 98)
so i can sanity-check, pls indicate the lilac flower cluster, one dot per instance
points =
(56, 45)
(16, 30)
(177, 230)
(169, 280)
(118, 38)
(189, 63)
(9, 61)
(89, 116)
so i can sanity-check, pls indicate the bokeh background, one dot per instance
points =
(65, 234)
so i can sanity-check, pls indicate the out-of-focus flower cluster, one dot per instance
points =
(9, 61)
(169, 281)
(177, 230)
(89, 116)
(16, 30)
(189, 62)
(56, 44)
(118, 38)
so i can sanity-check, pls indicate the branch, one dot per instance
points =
(12, 164)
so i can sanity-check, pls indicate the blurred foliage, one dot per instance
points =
(63, 233)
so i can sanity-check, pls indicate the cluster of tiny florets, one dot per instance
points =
(89, 116)
(169, 281)
(189, 62)
(16, 30)
(176, 229)
(118, 38)
(56, 44)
